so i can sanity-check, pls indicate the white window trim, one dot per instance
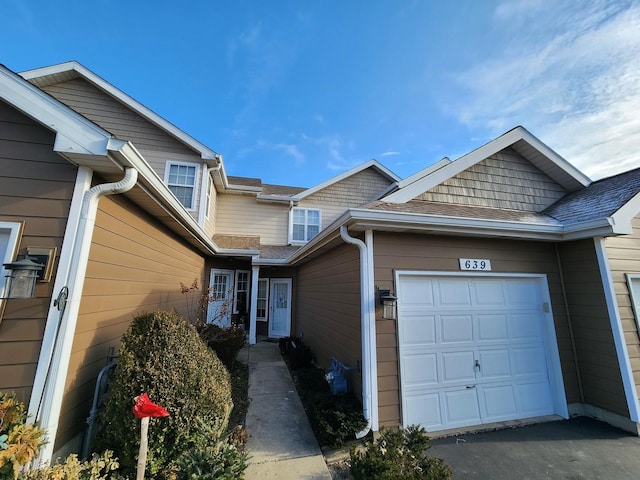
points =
(634, 278)
(266, 304)
(15, 232)
(167, 168)
(236, 291)
(302, 242)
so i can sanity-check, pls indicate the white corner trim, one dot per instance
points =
(617, 331)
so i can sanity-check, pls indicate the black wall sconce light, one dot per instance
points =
(389, 304)
(20, 281)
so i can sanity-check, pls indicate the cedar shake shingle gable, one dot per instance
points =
(601, 199)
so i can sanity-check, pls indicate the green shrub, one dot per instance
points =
(215, 458)
(398, 454)
(19, 442)
(226, 342)
(100, 467)
(334, 419)
(161, 354)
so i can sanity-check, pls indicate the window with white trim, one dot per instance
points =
(181, 180)
(305, 224)
(633, 282)
(263, 299)
(241, 299)
(9, 239)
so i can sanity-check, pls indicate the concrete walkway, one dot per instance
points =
(281, 443)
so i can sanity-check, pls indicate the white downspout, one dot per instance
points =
(49, 412)
(253, 309)
(368, 330)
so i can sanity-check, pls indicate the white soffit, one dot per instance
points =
(518, 138)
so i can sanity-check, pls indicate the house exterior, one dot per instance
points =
(517, 278)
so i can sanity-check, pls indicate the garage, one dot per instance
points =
(476, 349)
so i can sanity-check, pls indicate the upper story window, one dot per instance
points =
(10, 233)
(181, 180)
(305, 224)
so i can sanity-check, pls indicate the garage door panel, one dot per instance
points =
(525, 325)
(420, 370)
(461, 407)
(498, 402)
(456, 328)
(494, 364)
(522, 292)
(534, 398)
(424, 409)
(528, 361)
(488, 293)
(419, 330)
(451, 293)
(458, 367)
(417, 290)
(492, 327)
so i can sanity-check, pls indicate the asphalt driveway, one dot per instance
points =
(580, 448)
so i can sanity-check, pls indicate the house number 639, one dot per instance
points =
(475, 264)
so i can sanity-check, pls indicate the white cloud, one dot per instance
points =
(572, 78)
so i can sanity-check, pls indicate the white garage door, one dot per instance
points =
(474, 350)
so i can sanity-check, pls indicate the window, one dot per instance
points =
(241, 303)
(633, 282)
(9, 238)
(181, 180)
(263, 298)
(305, 224)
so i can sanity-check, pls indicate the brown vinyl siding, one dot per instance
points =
(36, 186)
(438, 253)
(114, 117)
(504, 180)
(134, 266)
(327, 307)
(624, 257)
(596, 351)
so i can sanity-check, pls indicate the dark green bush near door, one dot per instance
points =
(162, 354)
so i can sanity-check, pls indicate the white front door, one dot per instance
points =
(476, 350)
(220, 297)
(280, 308)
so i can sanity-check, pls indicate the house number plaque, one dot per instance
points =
(475, 264)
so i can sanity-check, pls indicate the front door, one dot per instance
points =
(220, 298)
(280, 308)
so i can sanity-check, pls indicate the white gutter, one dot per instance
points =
(368, 330)
(47, 413)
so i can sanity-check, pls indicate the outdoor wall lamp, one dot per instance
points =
(389, 304)
(20, 281)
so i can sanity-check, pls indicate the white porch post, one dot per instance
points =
(255, 272)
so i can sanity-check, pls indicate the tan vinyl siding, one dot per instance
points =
(243, 215)
(434, 253)
(353, 191)
(113, 116)
(36, 186)
(624, 257)
(596, 351)
(328, 307)
(504, 180)
(134, 266)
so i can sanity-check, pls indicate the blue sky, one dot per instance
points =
(296, 92)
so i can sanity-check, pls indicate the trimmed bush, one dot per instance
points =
(100, 467)
(162, 354)
(296, 353)
(226, 342)
(398, 454)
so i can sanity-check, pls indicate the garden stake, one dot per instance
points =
(145, 409)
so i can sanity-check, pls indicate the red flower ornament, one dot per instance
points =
(146, 408)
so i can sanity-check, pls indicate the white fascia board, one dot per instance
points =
(424, 172)
(267, 262)
(276, 199)
(506, 140)
(371, 163)
(74, 133)
(622, 218)
(236, 252)
(205, 152)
